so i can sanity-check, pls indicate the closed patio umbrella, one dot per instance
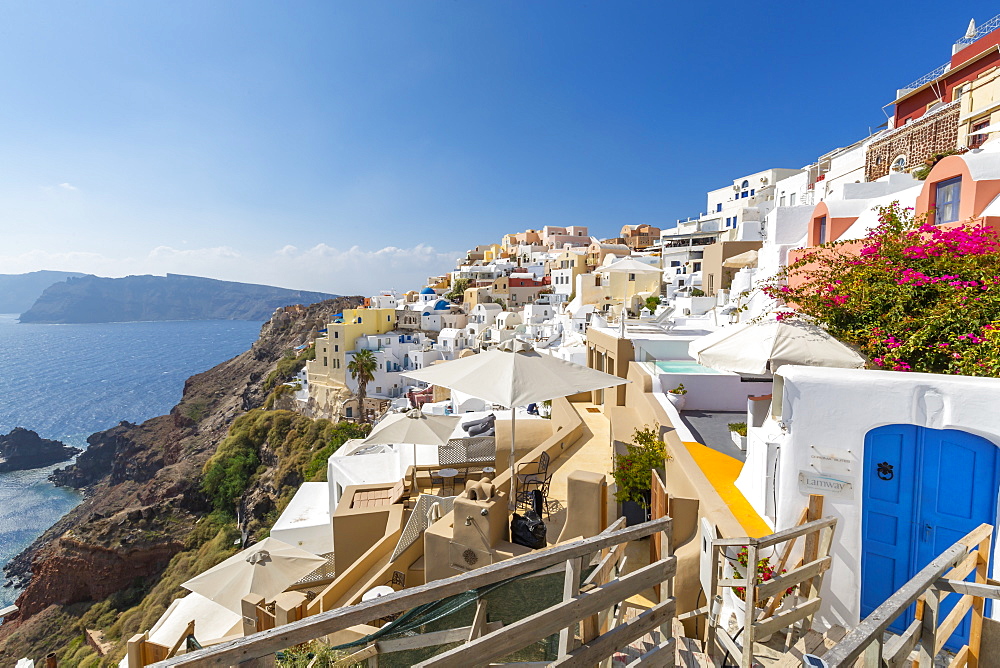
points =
(759, 349)
(514, 379)
(266, 569)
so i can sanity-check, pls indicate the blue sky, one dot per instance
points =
(356, 146)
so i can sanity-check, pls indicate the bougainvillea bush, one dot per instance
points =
(911, 296)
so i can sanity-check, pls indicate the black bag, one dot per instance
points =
(529, 529)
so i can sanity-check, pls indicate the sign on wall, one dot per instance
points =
(811, 482)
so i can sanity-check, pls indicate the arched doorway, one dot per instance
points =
(924, 489)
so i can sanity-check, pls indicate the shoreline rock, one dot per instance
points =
(23, 450)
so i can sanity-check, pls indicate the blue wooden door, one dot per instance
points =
(923, 490)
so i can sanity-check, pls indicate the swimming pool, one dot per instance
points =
(683, 366)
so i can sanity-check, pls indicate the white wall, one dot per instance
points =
(833, 409)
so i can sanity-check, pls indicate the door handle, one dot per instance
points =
(928, 532)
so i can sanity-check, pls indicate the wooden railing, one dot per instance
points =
(588, 606)
(807, 576)
(927, 633)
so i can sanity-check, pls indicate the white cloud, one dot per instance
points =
(67, 186)
(321, 268)
(219, 252)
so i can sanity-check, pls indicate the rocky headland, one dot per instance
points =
(91, 299)
(23, 449)
(116, 560)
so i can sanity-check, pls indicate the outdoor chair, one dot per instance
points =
(531, 476)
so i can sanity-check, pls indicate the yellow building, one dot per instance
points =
(327, 373)
(492, 253)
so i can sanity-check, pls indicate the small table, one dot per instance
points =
(449, 478)
(375, 592)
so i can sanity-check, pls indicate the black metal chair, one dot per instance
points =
(531, 476)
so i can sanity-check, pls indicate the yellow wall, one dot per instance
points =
(341, 338)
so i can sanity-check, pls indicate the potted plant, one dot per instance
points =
(676, 397)
(738, 430)
(633, 472)
(765, 571)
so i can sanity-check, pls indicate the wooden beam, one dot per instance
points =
(952, 621)
(790, 533)
(780, 583)
(619, 637)
(971, 588)
(979, 604)
(571, 588)
(431, 638)
(786, 618)
(776, 601)
(359, 656)
(478, 621)
(661, 656)
(324, 623)
(897, 650)
(546, 622)
(873, 626)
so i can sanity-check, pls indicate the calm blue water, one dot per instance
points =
(69, 381)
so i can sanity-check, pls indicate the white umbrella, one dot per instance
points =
(747, 259)
(628, 265)
(514, 379)
(415, 427)
(760, 349)
(266, 569)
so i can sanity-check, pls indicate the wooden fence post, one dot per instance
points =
(929, 625)
(571, 588)
(978, 603)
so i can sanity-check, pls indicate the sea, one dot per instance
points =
(68, 381)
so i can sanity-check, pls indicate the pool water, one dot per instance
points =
(682, 366)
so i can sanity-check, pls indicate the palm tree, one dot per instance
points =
(362, 368)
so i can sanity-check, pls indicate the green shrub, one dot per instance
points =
(633, 470)
(738, 427)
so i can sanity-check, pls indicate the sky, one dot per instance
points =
(351, 147)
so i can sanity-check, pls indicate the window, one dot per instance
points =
(744, 194)
(718, 207)
(675, 263)
(899, 163)
(631, 277)
(975, 141)
(957, 92)
(781, 201)
(752, 191)
(745, 185)
(324, 362)
(946, 198)
(821, 230)
(791, 199)
(697, 266)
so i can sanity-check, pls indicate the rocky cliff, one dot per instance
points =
(90, 299)
(23, 449)
(143, 501)
(19, 291)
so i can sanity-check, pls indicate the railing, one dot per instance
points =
(807, 576)
(585, 605)
(984, 29)
(944, 576)
(927, 78)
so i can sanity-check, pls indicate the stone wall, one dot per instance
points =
(933, 133)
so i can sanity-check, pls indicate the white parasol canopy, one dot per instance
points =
(760, 349)
(515, 379)
(266, 569)
(628, 265)
(414, 426)
(746, 259)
